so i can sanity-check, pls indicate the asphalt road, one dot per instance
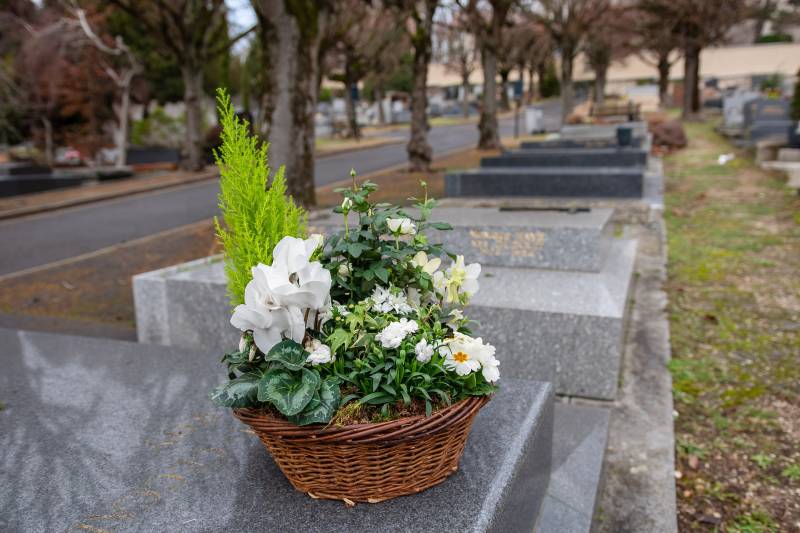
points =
(40, 239)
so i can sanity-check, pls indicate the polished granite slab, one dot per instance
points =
(102, 435)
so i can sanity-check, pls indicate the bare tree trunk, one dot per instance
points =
(353, 131)
(487, 127)
(567, 94)
(465, 96)
(192, 95)
(532, 94)
(379, 100)
(690, 81)
(49, 157)
(122, 129)
(419, 150)
(505, 105)
(600, 86)
(293, 79)
(663, 79)
(541, 74)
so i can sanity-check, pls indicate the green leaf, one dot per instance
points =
(288, 353)
(376, 398)
(441, 225)
(289, 392)
(382, 274)
(322, 406)
(355, 249)
(338, 338)
(239, 392)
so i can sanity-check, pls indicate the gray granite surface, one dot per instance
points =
(563, 327)
(538, 238)
(599, 131)
(579, 443)
(101, 435)
(602, 182)
(568, 157)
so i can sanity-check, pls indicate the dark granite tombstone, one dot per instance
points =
(102, 435)
(766, 118)
(601, 182)
(555, 144)
(568, 157)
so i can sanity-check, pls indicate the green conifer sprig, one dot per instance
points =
(256, 214)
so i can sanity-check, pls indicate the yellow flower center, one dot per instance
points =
(460, 357)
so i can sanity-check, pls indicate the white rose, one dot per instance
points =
(401, 226)
(343, 270)
(347, 205)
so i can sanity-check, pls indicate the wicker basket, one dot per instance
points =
(367, 462)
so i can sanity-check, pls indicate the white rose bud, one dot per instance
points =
(343, 270)
(347, 205)
(318, 238)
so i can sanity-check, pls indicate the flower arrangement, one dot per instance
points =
(367, 324)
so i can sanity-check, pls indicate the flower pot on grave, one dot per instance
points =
(624, 135)
(367, 462)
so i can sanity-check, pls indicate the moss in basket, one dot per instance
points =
(256, 214)
(378, 331)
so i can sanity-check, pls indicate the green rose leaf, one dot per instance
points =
(238, 392)
(288, 353)
(289, 392)
(322, 406)
(441, 226)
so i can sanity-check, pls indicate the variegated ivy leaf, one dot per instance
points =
(239, 392)
(289, 392)
(322, 406)
(289, 353)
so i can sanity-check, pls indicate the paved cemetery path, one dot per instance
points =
(41, 239)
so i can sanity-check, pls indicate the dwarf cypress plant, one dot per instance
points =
(256, 214)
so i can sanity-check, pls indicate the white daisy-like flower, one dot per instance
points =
(464, 354)
(423, 350)
(401, 226)
(319, 353)
(399, 303)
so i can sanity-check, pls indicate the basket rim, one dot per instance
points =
(392, 431)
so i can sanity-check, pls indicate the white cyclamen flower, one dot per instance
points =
(392, 335)
(274, 300)
(293, 278)
(319, 353)
(423, 350)
(401, 226)
(263, 314)
(461, 279)
(427, 265)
